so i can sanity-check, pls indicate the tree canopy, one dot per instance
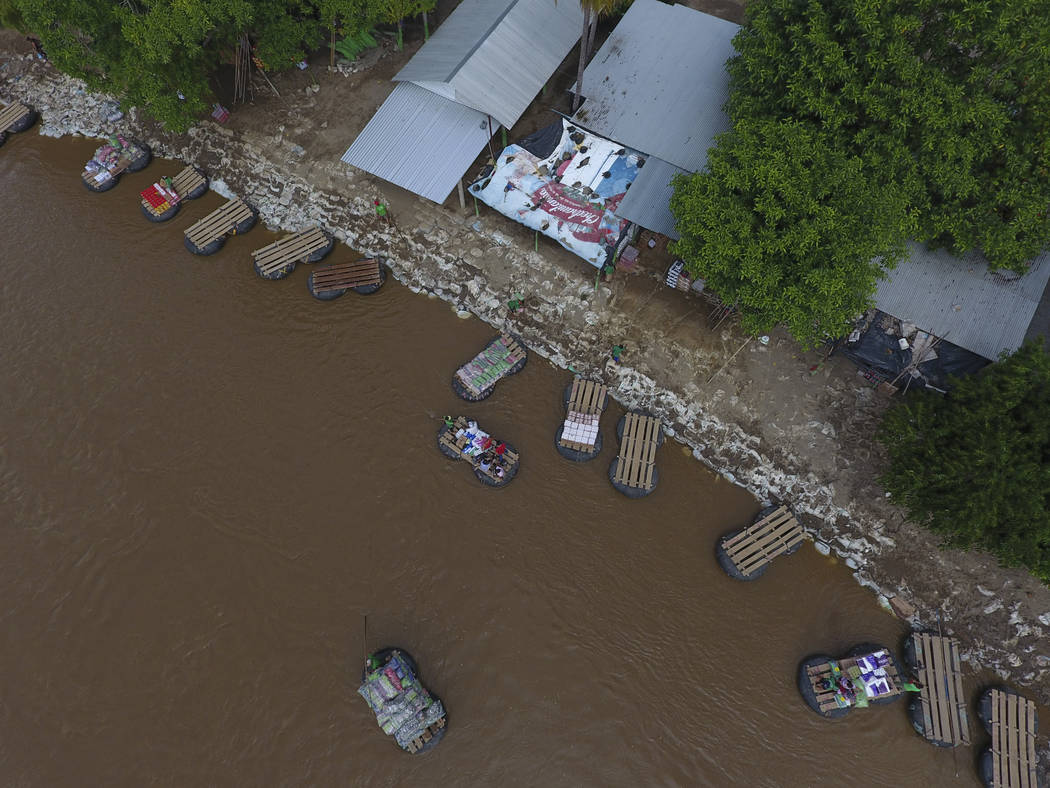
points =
(943, 103)
(788, 228)
(148, 52)
(975, 465)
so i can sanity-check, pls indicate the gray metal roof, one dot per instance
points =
(659, 82)
(961, 301)
(496, 55)
(420, 141)
(648, 200)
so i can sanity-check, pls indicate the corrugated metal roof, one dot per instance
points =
(496, 54)
(420, 141)
(659, 82)
(648, 200)
(961, 301)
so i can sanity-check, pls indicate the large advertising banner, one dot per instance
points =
(568, 195)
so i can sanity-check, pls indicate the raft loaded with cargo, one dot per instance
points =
(503, 356)
(495, 462)
(119, 155)
(404, 708)
(162, 200)
(868, 675)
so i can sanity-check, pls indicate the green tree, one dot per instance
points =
(947, 97)
(396, 11)
(788, 228)
(975, 465)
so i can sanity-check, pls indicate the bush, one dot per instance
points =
(975, 464)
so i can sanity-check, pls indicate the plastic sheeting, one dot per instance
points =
(566, 183)
(879, 350)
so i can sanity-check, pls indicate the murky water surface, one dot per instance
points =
(208, 480)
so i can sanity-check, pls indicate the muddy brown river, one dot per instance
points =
(209, 480)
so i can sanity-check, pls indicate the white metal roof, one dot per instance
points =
(659, 82)
(961, 301)
(648, 200)
(420, 141)
(496, 55)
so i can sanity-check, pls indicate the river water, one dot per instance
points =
(209, 480)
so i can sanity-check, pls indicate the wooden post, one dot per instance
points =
(477, 213)
(462, 199)
(504, 136)
(426, 28)
(331, 46)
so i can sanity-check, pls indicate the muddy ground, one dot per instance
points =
(787, 424)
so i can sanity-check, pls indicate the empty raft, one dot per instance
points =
(938, 712)
(15, 117)
(404, 708)
(279, 259)
(207, 235)
(503, 356)
(578, 438)
(119, 155)
(1010, 760)
(745, 554)
(162, 200)
(633, 472)
(364, 276)
(868, 675)
(495, 462)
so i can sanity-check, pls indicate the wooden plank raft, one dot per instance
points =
(637, 457)
(493, 363)
(157, 201)
(761, 542)
(290, 249)
(942, 702)
(429, 733)
(826, 697)
(449, 439)
(11, 114)
(1013, 741)
(586, 400)
(186, 181)
(218, 223)
(343, 276)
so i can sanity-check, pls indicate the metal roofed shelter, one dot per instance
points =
(481, 69)
(961, 301)
(658, 85)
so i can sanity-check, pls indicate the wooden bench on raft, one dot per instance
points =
(290, 249)
(1013, 741)
(11, 114)
(456, 445)
(429, 733)
(761, 542)
(826, 697)
(343, 276)
(586, 400)
(636, 462)
(942, 703)
(218, 223)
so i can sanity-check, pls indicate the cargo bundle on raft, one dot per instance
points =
(495, 463)
(503, 356)
(404, 708)
(119, 155)
(745, 554)
(579, 438)
(277, 260)
(868, 675)
(14, 118)
(364, 277)
(163, 199)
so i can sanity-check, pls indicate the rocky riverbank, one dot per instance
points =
(773, 419)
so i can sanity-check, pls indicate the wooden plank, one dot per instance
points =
(12, 114)
(573, 395)
(186, 181)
